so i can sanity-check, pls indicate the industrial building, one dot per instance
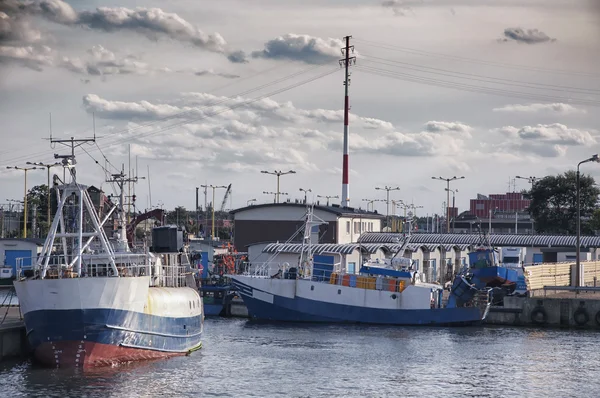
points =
(278, 222)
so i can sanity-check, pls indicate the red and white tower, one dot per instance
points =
(346, 64)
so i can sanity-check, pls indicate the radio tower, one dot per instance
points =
(346, 64)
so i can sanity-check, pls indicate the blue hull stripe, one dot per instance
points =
(115, 327)
(305, 310)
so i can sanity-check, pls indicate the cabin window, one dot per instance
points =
(352, 268)
(190, 305)
(347, 227)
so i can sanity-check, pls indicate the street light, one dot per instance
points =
(306, 191)
(214, 187)
(448, 196)
(48, 167)
(454, 191)
(369, 202)
(328, 197)
(578, 250)
(250, 201)
(387, 189)
(532, 181)
(25, 169)
(278, 173)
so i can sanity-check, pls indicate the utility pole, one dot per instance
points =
(214, 187)
(25, 169)
(448, 197)
(197, 213)
(48, 167)
(345, 63)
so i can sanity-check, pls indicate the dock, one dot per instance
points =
(13, 340)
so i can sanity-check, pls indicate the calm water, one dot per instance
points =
(243, 359)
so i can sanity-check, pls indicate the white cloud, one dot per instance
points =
(33, 57)
(305, 48)
(557, 107)
(17, 30)
(527, 36)
(449, 127)
(555, 133)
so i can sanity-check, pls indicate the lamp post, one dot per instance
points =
(278, 173)
(48, 167)
(25, 169)
(328, 197)
(369, 202)
(578, 273)
(387, 189)
(448, 196)
(214, 187)
(250, 201)
(532, 181)
(306, 191)
(454, 191)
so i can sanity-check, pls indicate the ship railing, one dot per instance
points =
(265, 270)
(170, 276)
(366, 282)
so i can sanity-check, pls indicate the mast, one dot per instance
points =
(346, 64)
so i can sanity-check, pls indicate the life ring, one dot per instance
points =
(536, 314)
(581, 316)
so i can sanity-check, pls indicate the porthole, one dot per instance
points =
(339, 291)
(312, 287)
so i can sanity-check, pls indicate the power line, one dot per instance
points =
(477, 61)
(472, 76)
(473, 88)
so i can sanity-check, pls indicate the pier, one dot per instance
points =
(13, 340)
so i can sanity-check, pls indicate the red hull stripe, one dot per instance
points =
(86, 354)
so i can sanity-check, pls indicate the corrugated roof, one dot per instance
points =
(348, 248)
(464, 240)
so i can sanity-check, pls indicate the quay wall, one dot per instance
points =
(573, 311)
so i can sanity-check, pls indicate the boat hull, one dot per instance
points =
(112, 321)
(270, 306)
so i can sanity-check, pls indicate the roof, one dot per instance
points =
(339, 211)
(473, 239)
(349, 248)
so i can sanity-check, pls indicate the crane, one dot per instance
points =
(227, 193)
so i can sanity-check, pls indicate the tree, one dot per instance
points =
(554, 203)
(178, 216)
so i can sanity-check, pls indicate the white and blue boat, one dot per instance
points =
(90, 301)
(386, 293)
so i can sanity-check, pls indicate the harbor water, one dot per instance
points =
(245, 359)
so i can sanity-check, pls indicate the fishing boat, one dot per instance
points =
(88, 300)
(484, 271)
(385, 293)
(215, 286)
(6, 276)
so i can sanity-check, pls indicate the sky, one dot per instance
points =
(215, 92)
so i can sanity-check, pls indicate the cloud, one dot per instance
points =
(527, 36)
(533, 108)
(199, 105)
(210, 72)
(17, 30)
(104, 62)
(154, 23)
(402, 8)
(545, 140)
(32, 57)
(305, 48)
(555, 133)
(237, 57)
(449, 127)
